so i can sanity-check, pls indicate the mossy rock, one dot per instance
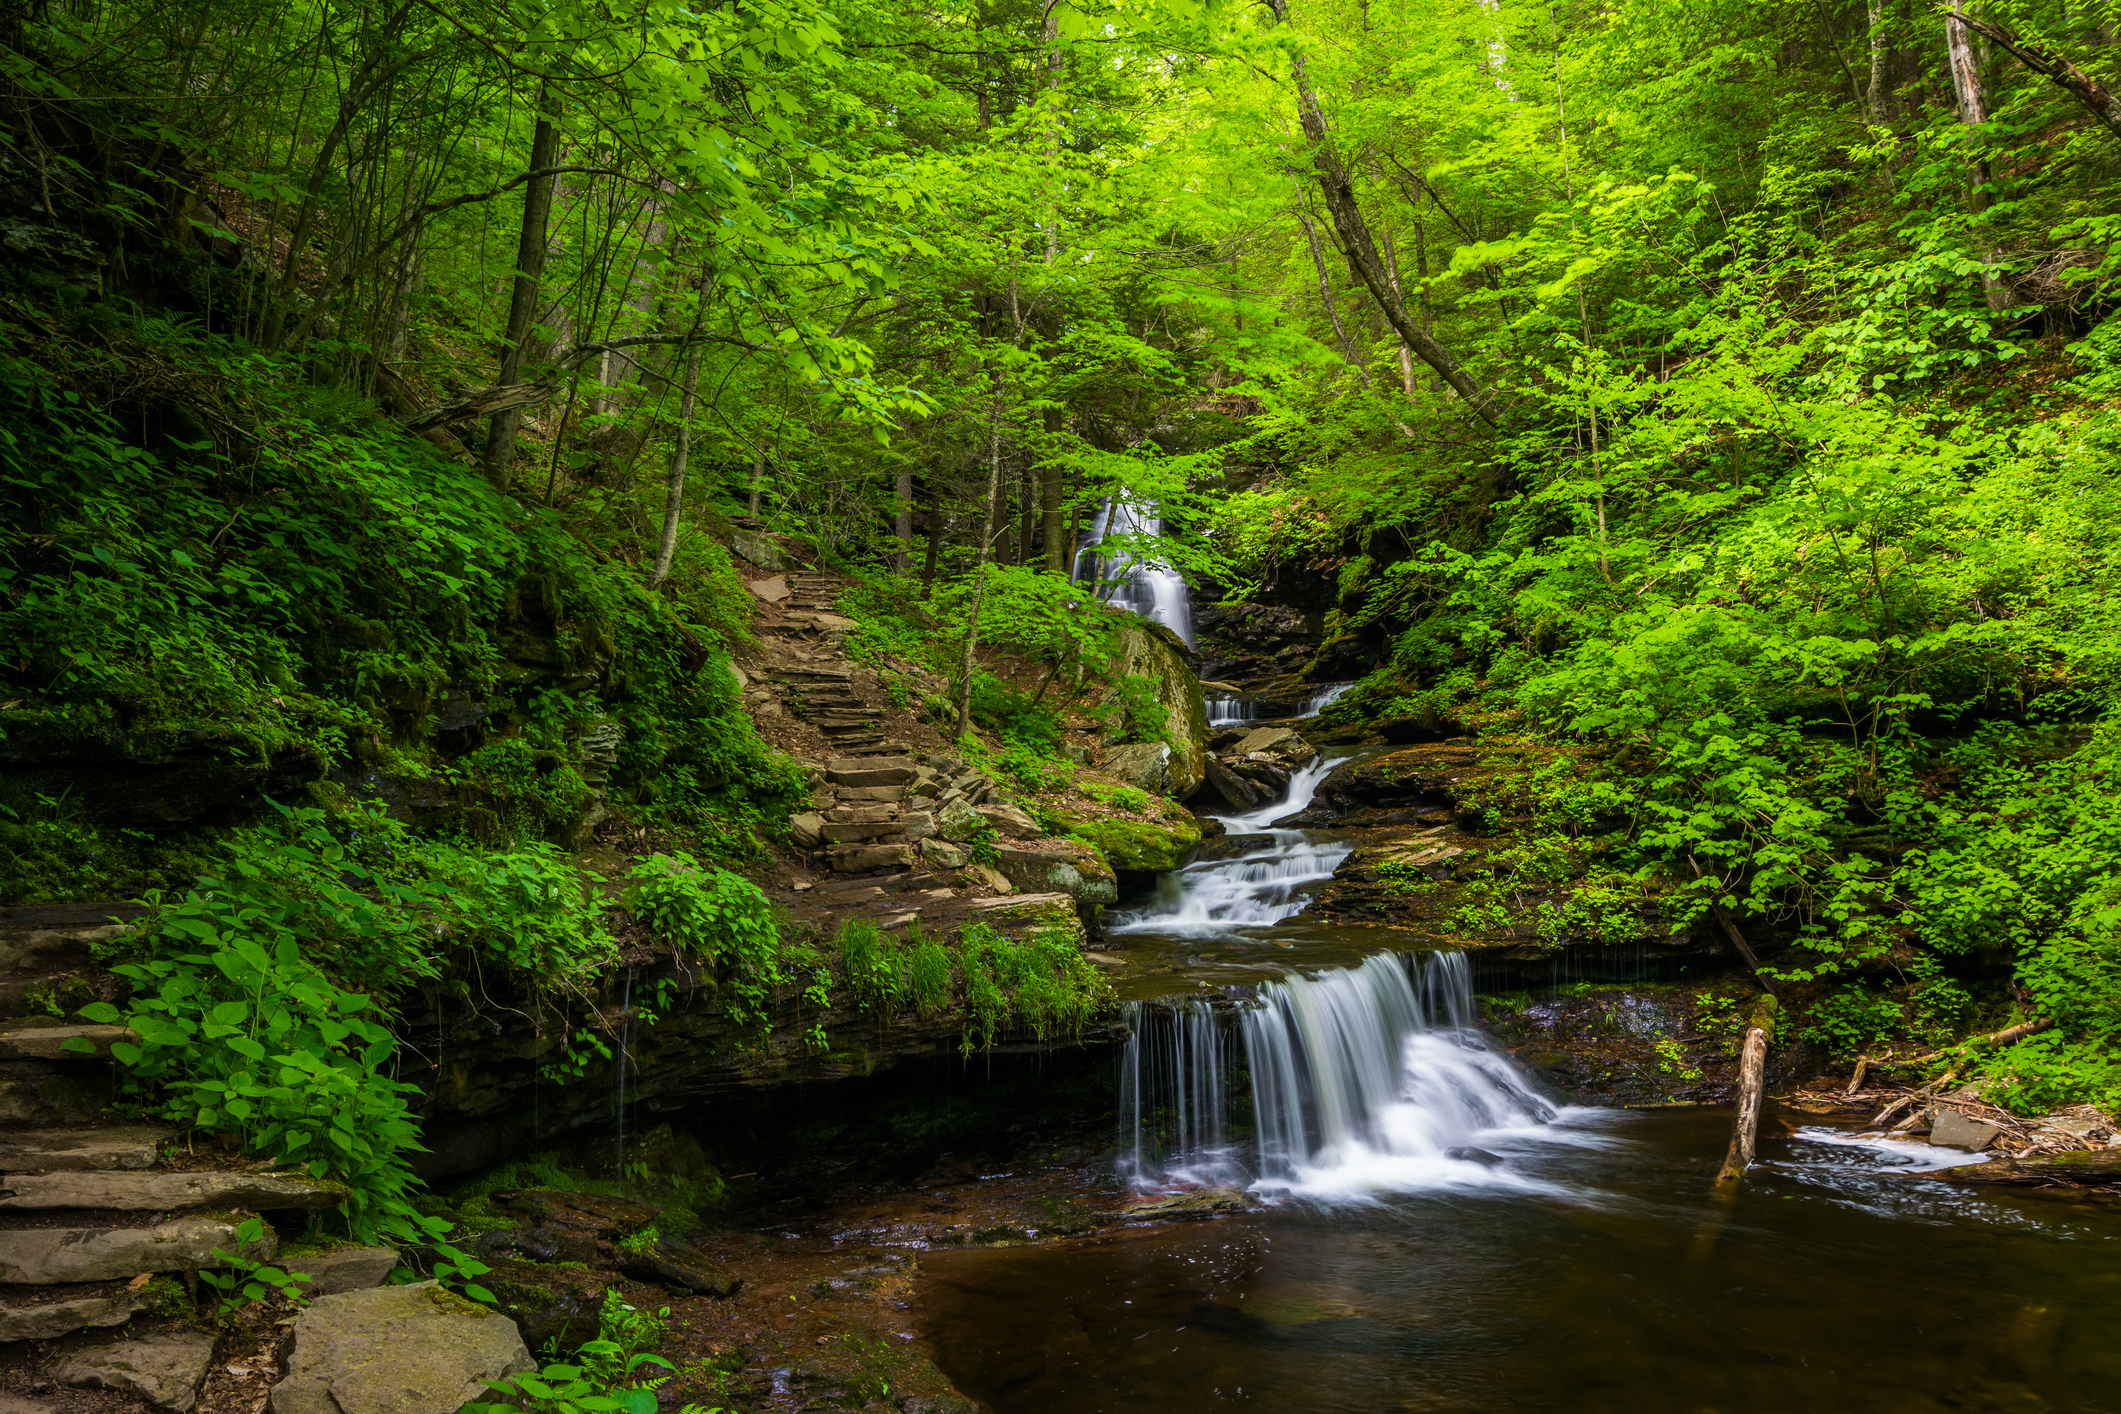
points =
(1137, 845)
(558, 1305)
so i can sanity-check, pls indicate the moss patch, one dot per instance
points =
(1132, 844)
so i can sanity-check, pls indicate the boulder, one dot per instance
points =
(959, 821)
(773, 590)
(992, 877)
(1204, 1204)
(46, 1255)
(942, 854)
(1136, 845)
(117, 1148)
(805, 829)
(1233, 790)
(591, 1212)
(57, 1318)
(1267, 739)
(348, 1269)
(861, 858)
(762, 550)
(165, 1370)
(159, 1191)
(1060, 867)
(397, 1350)
(916, 825)
(1954, 1130)
(1150, 650)
(1145, 765)
(1011, 821)
(553, 1306)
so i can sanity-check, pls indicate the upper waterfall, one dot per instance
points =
(1153, 591)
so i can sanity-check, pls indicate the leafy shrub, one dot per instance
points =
(718, 916)
(1137, 714)
(927, 970)
(1042, 983)
(1851, 1019)
(870, 965)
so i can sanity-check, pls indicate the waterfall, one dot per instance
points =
(1374, 1077)
(1152, 591)
(1174, 1081)
(1255, 890)
(1362, 1079)
(1228, 709)
(1325, 697)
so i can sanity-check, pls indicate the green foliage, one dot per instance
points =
(242, 1281)
(1136, 713)
(1131, 799)
(1042, 984)
(719, 917)
(870, 966)
(927, 972)
(1671, 1060)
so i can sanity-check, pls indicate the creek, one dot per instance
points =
(1435, 1233)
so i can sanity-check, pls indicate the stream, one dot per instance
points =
(1437, 1234)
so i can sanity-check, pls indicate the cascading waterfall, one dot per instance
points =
(1152, 591)
(1228, 709)
(1374, 1077)
(1256, 890)
(1325, 697)
(1174, 1081)
(1362, 1079)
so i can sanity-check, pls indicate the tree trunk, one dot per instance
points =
(1325, 297)
(1027, 518)
(1406, 355)
(1881, 68)
(902, 525)
(2040, 59)
(988, 529)
(1050, 500)
(1363, 260)
(936, 520)
(1752, 1079)
(758, 477)
(674, 490)
(523, 302)
(1973, 111)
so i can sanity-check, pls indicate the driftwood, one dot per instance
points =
(1752, 1080)
(1863, 1064)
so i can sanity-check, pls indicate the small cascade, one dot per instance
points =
(1174, 1090)
(1255, 890)
(1374, 1078)
(1229, 709)
(1152, 591)
(1325, 697)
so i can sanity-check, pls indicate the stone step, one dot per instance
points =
(159, 1191)
(46, 1256)
(803, 675)
(51, 1150)
(166, 1368)
(52, 1319)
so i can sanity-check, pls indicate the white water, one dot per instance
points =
(1153, 591)
(1373, 1079)
(1364, 1080)
(1227, 709)
(1325, 697)
(1255, 890)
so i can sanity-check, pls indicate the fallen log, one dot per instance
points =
(2008, 1036)
(1752, 1079)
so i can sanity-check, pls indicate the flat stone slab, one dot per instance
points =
(858, 771)
(1954, 1130)
(159, 1191)
(65, 1317)
(51, 1043)
(773, 590)
(397, 1350)
(166, 1370)
(348, 1269)
(46, 1256)
(45, 1151)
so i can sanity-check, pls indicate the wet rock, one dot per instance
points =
(165, 1370)
(553, 1306)
(58, 1318)
(1281, 741)
(45, 1256)
(1228, 846)
(1420, 775)
(160, 1192)
(1205, 1204)
(348, 1269)
(679, 1263)
(590, 1212)
(1220, 783)
(397, 1350)
(1466, 1153)
(1954, 1130)
(48, 1151)
(1145, 765)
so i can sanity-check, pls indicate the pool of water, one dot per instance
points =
(1590, 1269)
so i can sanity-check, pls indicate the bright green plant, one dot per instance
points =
(718, 916)
(1041, 983)
(1671, 1060)
(242, 1281)
(1132, 799)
